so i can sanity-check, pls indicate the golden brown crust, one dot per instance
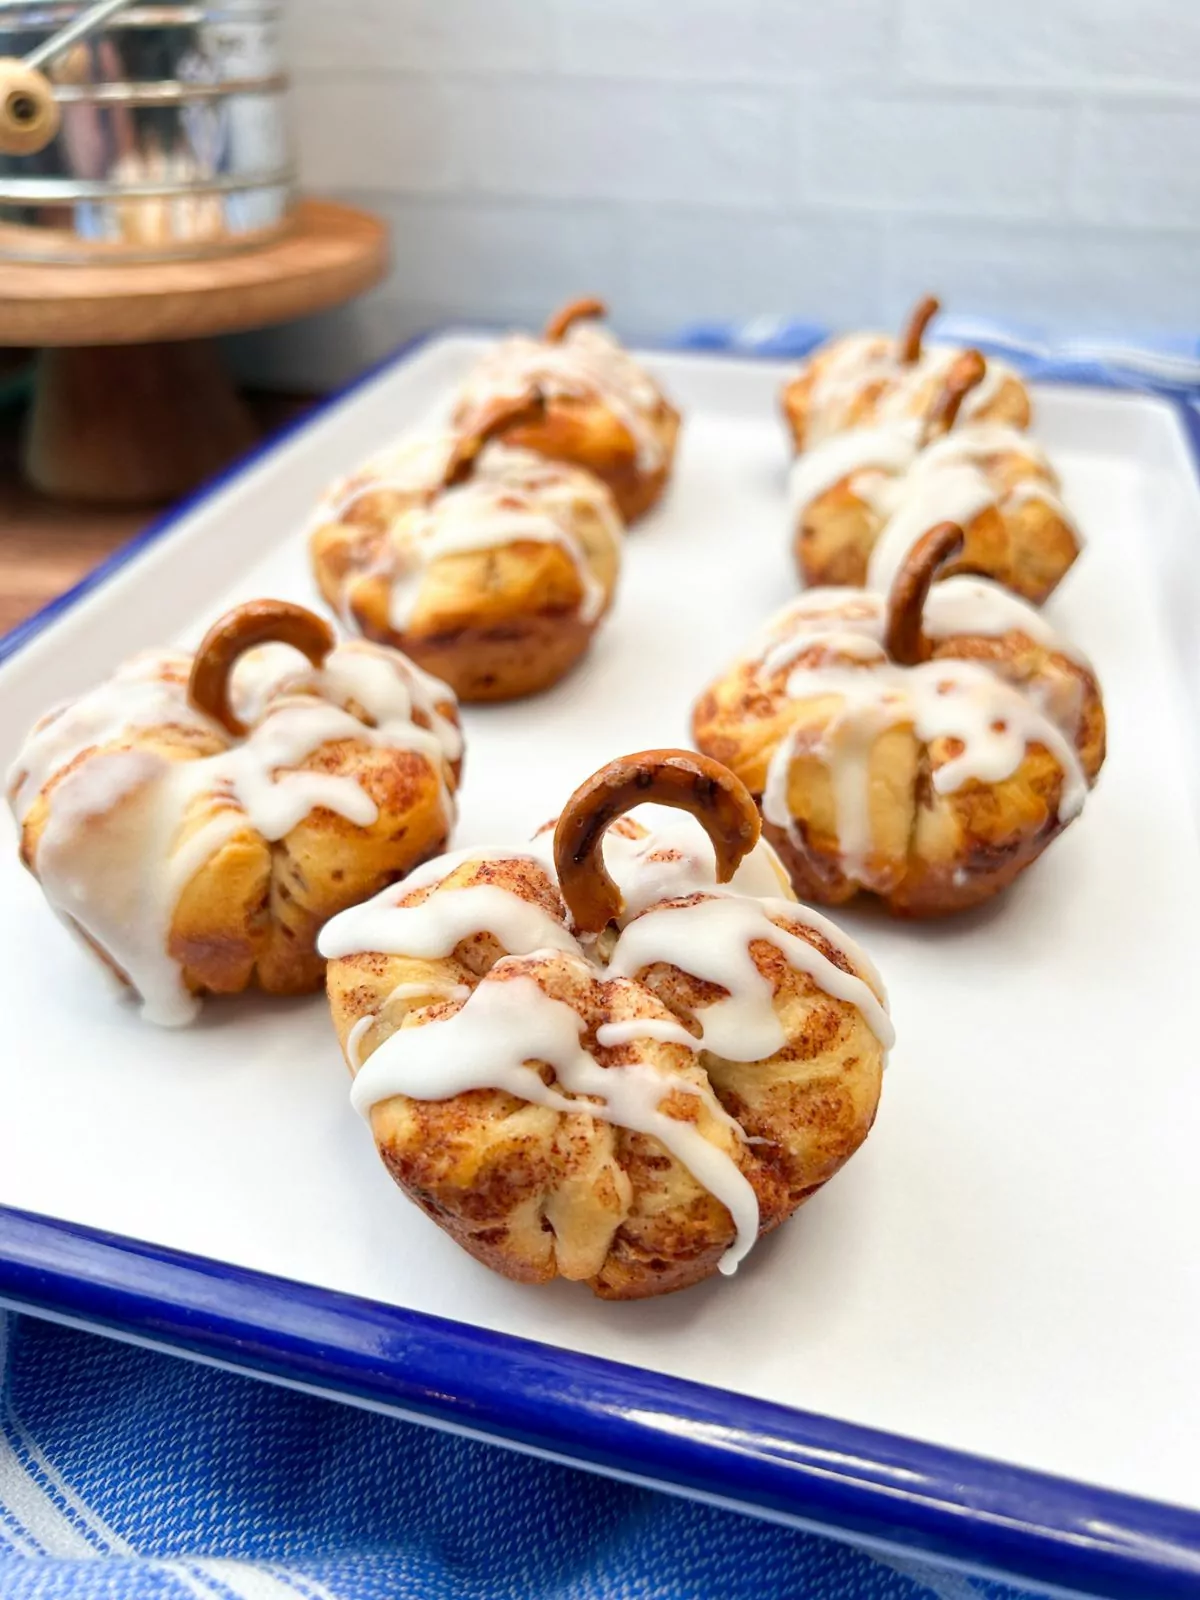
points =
(585, 433)
(494, 623)
(1028, 547)
(535, 1193)
(893, 362)
(250, 914)
(502, 659)
(582, 430)
(1009, 405)
(932, 853)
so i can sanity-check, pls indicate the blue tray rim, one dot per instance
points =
(811, 1471)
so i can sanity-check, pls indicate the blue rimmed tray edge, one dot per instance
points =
(857, 1483)
(797, 1467)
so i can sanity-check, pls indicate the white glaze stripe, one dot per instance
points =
(509, 1022)
(995, 721)
(587, 364)
(491, 1038)
(127, 829)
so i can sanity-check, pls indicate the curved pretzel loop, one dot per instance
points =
(910, 340)
(966, 372)
(239, 630)
(584, 309)
(903, 639)
(497, 417)
(680, 778)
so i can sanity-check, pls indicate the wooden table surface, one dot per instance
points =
(46, 546)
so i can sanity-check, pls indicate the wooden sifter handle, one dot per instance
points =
(29, 114)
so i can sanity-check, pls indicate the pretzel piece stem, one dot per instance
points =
(256, 622)
(584, 309)
(678, 778)
(966, 372)
(904, 639)
(509, 411)
(910, 340)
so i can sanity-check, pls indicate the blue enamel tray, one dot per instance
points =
(996, 1304)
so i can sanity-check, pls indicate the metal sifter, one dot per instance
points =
(140, 132)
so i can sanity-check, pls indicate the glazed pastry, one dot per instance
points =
(862, 498)
(603, 411)
(197, 824)
(622, 1080)
(492, 567)
(924, 746)
(865, 378)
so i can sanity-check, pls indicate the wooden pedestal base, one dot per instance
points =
(121, 417)
(133, 424)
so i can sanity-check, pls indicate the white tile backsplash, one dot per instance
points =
(1138, 165)
(598, 140)
(910, 153)
(686, 267)
(491, 259)
(721, 40)
(1072, 43)
(705, 158)
(420, 35)
(387, 135)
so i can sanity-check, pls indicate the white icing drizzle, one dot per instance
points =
(953, 493)
(141, 694)
(434, 988)
(949, 481)
(587, 364)
(432, 929)
(481, 515)
(980, 442)
(889, 448)
(510, 1021)
(354, 1040)
(609, 1035)
(911, 489)
(851, 622)
(503, 1026)
(413, 465)
(112, 855)
(849, 365)
(675, 856)
(513, 495)
(711, 939)
(995, 721)
(964, 605)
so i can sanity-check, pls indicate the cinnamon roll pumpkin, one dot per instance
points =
(862, 378)
(924, 746)
(603, 411)
(197, 818)
(862, 498)
(490, 566)
(618, 1079)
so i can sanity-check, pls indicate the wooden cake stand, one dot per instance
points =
(132, 404)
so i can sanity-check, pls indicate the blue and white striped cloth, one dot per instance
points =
(128, 1475)
(1159, 365)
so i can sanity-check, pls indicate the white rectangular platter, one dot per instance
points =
(1008, 1269)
